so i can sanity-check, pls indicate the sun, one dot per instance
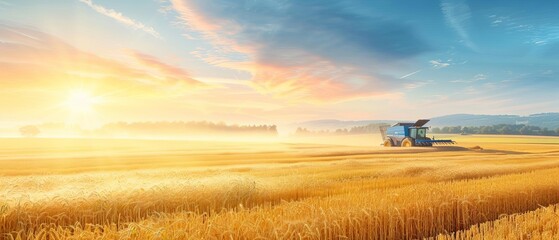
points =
(81, 101)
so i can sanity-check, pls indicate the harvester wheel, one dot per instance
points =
(388, 143)
(407, 142)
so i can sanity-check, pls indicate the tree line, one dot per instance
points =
(187, 128)
(156, 129)
(500, 129)
(371, 128)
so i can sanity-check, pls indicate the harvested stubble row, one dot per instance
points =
(411, 212)
(542, 223)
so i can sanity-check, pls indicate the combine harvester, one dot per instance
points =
(410, 135)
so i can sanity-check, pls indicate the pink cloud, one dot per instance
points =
(169, 73)
(307, 84)
(293, 74)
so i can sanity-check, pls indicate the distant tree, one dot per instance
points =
(504, 130)
(524, 130)
(301, 131)
(468, 130)
(273, 129)
(547, 132)
(486, 130)
(456, 129)
(29, 131)
(341, 131)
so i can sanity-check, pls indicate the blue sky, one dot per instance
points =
(285, 60)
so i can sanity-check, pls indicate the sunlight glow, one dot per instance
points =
(81, 101)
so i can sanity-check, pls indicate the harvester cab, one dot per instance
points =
(409, 135)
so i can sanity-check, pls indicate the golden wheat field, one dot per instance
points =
(148, 189)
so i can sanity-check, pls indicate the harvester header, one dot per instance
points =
(409, 135)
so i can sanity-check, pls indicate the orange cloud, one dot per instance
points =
(32, 59)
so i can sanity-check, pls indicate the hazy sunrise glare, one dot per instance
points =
(273, 62)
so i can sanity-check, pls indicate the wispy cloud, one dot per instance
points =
(165, 7)
(476, 78)
(510, 23)
(479, 77)
(410, 74)
(118, 16)
(539, 35)
(418, 84)
(439, 64)
(457, 14)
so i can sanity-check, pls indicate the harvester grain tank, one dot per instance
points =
(409, 135)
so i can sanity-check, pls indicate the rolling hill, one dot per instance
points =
(544, 120)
